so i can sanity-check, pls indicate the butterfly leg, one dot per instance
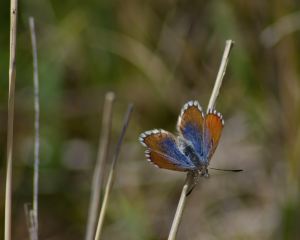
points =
(204, 172)
(193, 178)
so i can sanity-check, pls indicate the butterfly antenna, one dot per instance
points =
(227, 170)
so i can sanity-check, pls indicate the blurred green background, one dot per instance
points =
(158, 55)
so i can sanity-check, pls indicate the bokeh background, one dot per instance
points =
(158, 55)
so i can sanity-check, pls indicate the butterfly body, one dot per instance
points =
(193, 148)
(188, 150)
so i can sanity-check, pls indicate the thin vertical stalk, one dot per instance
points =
(220, 75)
(111, 174)
(10, 118)
(29, 216)
(190, 178)
(101, 159)
(37, 130)
(178, 214)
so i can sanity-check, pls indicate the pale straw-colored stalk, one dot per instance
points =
(111, 174)
(189, 183)
(10, 118)
(99, 167)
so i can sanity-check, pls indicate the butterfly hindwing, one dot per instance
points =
(213, 126)
(163, 150)
(190, 125)
(162, 161)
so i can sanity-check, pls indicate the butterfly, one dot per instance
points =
(191, 150)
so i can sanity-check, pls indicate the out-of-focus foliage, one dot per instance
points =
(158, 55)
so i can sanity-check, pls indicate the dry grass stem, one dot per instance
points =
(178, 215)
(190, 178)
(111, 174)
(29, 220)
(10, 118)
(101, 159)
(220, 76)
(32, 214)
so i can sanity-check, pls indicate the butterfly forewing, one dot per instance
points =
(213, 126)
(163, 151)
(190, 125)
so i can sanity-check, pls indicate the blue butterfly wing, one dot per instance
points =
(213, 126)
(190, 125)
(163, 151)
